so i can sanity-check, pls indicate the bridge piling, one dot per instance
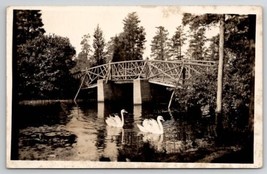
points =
(141, 91)
(104, 91)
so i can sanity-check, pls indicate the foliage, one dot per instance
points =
(198, 91)
(133, 37)
(239, 72)
(98, 45)
(239, 61)
(197, 21)
(86, 47)
(213, 50)
(176, 43)
(119, 53)
(129, 44)
(159, 44)
(197, 48)
(43, 68)
(27, 25)
(83, 60)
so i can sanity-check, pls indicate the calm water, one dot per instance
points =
(68, 131)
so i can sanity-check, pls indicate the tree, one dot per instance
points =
(159, 44)
(133, 37)
(129, 44)
(197, 44)
(176, 43)
(27, 25)
(86, 48)
(109, 49)
(45, 64)
(83, 60)
(119, 53)
(213, 49)
(98, 45)
(239, 72)
(239, 59)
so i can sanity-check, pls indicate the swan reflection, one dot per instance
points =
(114, 141)
(155, 140)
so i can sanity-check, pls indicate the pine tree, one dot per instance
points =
(133, 37)
(176, 43)
(159, 44)
(98, 45)
(197, 44)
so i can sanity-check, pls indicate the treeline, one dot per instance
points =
(127, 45)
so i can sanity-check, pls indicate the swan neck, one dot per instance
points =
(160, 125)
(122, 118)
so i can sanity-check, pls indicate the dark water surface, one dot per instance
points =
(68, 131)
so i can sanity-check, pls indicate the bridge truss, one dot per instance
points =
(166, 73)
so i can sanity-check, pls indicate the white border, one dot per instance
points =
(258, 120)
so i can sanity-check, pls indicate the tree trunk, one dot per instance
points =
(220, 67)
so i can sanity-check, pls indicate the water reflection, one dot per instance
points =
(100, 110)
(137, 112)
(95, 141)
(114, 140)
(81, 125)
(155, 140)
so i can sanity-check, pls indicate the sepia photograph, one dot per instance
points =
(134, 87)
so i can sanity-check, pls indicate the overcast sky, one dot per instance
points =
(75, 22)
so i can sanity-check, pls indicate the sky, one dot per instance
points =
(75, 22)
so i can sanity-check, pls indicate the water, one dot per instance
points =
(68, 131)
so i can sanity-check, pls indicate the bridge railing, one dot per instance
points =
(158, 71)
(127, 70)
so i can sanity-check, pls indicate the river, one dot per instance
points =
(69, 131)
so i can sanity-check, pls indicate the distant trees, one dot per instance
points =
(176, 43)
(127, 45)
(159, 44)
(165, 48)
(88, 57)
(196, 48)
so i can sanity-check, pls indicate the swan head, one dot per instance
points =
(160, 118)
(123, 111)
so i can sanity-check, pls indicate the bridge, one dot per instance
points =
(141, 72)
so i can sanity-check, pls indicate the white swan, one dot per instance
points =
(152, 126)
(116, 121)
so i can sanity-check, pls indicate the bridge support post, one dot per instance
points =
(104, 91)
(141, 91)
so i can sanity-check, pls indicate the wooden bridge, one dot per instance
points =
(167, 73)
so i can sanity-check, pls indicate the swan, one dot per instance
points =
(152, 126)
(116, 121)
